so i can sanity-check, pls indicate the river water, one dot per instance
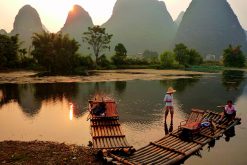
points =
(58, 111)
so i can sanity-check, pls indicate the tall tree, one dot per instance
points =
(55, 52)
(9, 46)
(234, 57)
(98, 40)
(168, 59)
(120, 54)
(194, 57)
(181, 53)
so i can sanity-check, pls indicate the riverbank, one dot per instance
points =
(40, 152)
(24, 77)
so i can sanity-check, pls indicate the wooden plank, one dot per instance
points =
(168, 148)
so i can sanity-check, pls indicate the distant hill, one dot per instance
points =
(141, 25)
(210, 26)
(246, 34)
(2, 31)
(26, 23)
(77, 23)
(179, 18)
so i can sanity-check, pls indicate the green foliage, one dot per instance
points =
(55, 52)
(233, 57)
(9, 51)
(103, 62)
(194, 57)
(151, 56)
(86, 62)
(181, 53)
(168, 60)
(120, 50)
(136, 61)
(204, 68)
(186, 56)
(97, 39)
(120, 55)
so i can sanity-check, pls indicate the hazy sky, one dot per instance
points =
(53, 13)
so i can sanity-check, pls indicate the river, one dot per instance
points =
(58, 111)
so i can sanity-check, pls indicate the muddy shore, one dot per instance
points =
(24, 77)
(40, 152)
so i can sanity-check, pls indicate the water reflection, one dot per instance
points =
(120, 86)
(167, 131)
(229, 134)
(232, 79)
(179, 84)
(71, 109)
(140, 104)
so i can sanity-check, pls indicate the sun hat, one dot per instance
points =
(170, 90)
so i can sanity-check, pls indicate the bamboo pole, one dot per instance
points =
(121, 160)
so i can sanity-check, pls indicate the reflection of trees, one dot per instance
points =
(57, 92)
(10, 92)
(179, 84)
(231, 79)
(120, 86)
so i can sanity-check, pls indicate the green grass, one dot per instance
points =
(211, 69)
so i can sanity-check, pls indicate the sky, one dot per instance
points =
(53, 13)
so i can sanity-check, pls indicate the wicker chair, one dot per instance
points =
(192, 125)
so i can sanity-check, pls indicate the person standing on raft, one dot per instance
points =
(169, 103)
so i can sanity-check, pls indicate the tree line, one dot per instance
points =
(57, 53)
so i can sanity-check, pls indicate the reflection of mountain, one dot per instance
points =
(232, 79)
(29, 104)
(137, 101)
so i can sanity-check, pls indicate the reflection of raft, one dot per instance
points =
(105, 130)
(171, 149)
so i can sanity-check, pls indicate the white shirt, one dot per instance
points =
(230, 110)
(168, 100)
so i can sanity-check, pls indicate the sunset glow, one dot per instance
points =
(71, 110)
(53, 13)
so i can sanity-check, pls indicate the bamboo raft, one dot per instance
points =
(106, 131)
(171, 149)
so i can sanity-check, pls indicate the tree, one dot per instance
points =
(151, 56)
(168, 59)
(98, 39)
(233, 57)
(120, 50)
(194, 57)
(9, 46)
(120, 54)
(55, 52)
(181, 53)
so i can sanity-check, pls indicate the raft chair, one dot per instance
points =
(110, 112)
(192, 125)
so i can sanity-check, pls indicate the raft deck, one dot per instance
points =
(107, 134)
(171, 149)
(106, 131)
